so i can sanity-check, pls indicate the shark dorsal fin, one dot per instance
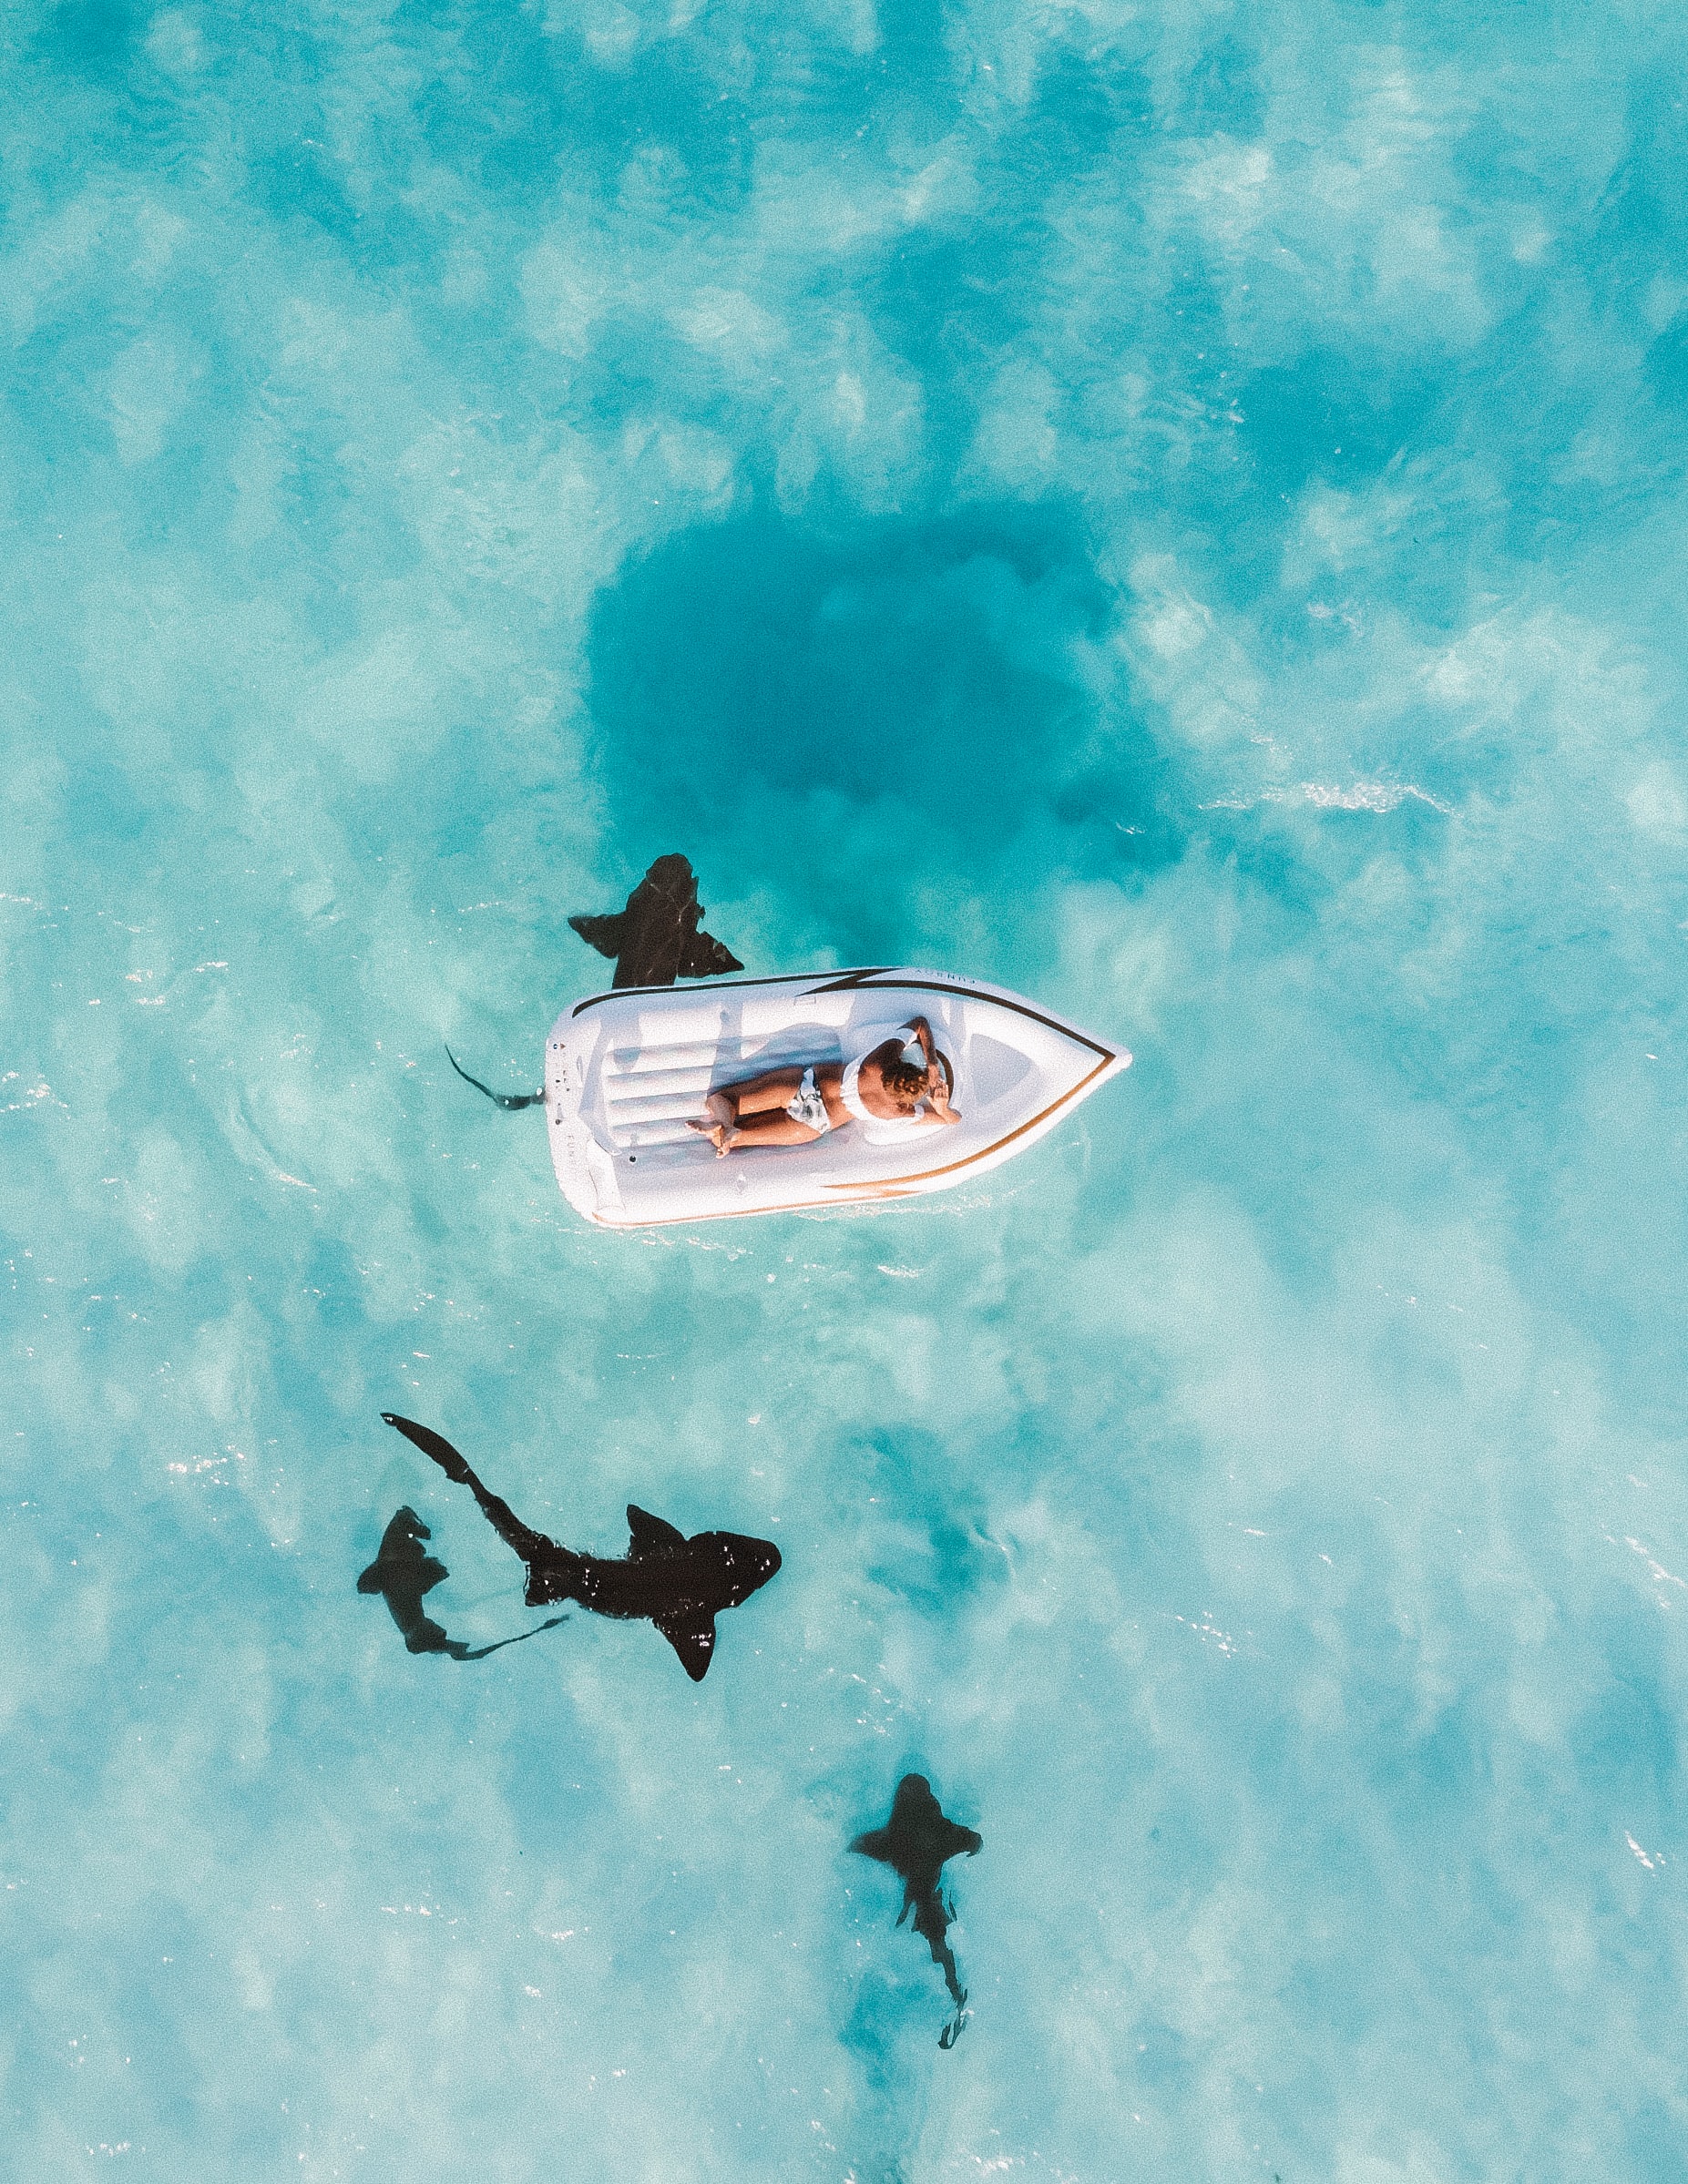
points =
(650, 1535)
(691, 1633)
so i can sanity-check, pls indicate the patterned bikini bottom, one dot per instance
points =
(808, 1106)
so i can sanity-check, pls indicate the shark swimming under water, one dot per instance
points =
(512, 1100)
(681, 1585)
(654, 940)
(657, 939)
(404, 1573)
(917, 1842)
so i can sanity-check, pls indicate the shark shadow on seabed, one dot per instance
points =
(681, 1585)
(917, 1842)
(404, 1573)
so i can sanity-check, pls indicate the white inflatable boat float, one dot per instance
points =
(625, 1072)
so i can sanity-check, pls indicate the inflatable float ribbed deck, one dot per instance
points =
(625, 1072)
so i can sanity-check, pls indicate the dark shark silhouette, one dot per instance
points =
(513, 1100)
(917, 1842)
(681, 1585)
(656, 939)
(404, 1573)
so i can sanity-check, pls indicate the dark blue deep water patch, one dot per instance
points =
(91, 37)
(930, 666)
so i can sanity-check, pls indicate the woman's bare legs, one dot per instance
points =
(777, 1128)
(776, 1089)
(764, 1099)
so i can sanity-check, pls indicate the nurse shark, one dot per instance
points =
(917, 1842)
(681, 1585)
(404, 1573)
(655, 939)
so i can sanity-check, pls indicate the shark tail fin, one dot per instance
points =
(512, 1100)
(604, 933)
(432, 1445)
(480, 1652)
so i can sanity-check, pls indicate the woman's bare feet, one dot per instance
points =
(718, 1123)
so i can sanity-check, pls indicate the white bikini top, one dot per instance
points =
(881, 1129)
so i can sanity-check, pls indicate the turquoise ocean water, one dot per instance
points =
(1179, 511)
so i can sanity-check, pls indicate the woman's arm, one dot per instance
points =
(937, 1091)
(937, 1084)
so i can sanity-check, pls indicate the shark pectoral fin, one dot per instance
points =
(604, 933)
(693, 1637)
(701, 955)
(651, 1535)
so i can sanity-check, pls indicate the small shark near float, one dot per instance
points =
(917, 1842)
(656, 939)
(404, 1573)
(681, 1585)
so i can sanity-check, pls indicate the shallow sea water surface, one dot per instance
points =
(1178, 512)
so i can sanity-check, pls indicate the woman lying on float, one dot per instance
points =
(796, 1106)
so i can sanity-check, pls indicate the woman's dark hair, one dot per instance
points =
(903, 1083)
